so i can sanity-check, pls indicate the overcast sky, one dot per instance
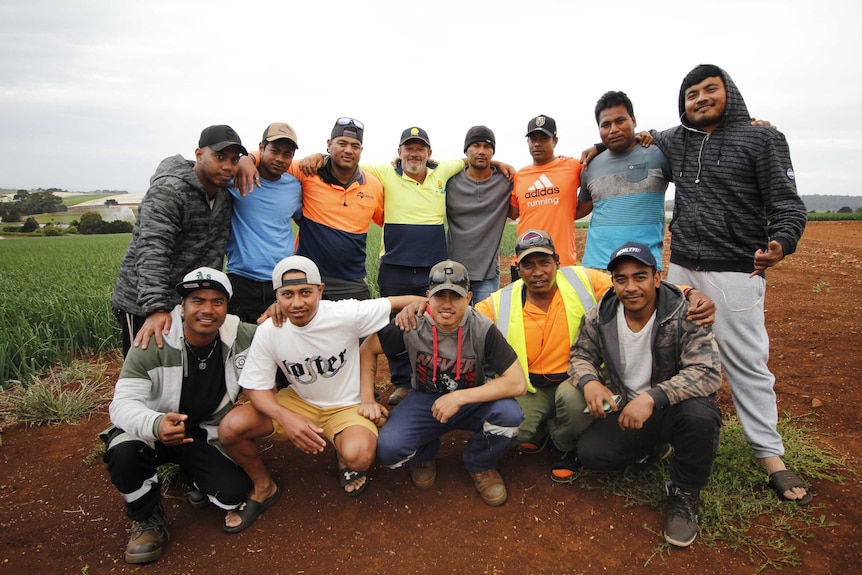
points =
(93, 94)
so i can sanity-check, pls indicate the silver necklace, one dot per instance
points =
(202, 363)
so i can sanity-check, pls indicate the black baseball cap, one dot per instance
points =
(347, 127)
(414, 133)
(633, 250)
(220, 137)
(544, 124)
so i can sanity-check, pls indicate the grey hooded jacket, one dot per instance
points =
(176, 232)
(735, 190)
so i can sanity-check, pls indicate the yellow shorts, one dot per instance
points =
(333, 420)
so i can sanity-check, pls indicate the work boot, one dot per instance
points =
(423, 474)
(680, 528)
(491, 487)
(148, 537)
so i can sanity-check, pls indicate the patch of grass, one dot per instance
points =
(96, 453)
(737, 507)
(65, 394)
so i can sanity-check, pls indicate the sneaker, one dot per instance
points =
(147, 538)
(397, 395)
(423, 474)
(533, 447)
(565, 466)
(680, 528)
(491, 487)
(655, 454)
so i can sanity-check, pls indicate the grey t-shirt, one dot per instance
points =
(476, 215)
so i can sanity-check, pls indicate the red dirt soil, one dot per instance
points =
(61, 515)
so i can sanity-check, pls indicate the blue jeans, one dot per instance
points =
(401, 280)
(484, 288)
(412, 434)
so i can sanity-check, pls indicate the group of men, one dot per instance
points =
(605, 361)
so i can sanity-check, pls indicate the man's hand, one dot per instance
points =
(273, 311)
(310, 164)
(505, 169)
(172, 429)
(636, 412)
(766, 259)
(158, 323)
(588, 155)
(767, 123)
(301, 432)
(645, 139)
(701, 309)
(446, 406)
(373, 411)
(596, 394)
(407, 317)
(247, 177)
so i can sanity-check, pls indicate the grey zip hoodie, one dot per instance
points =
(735, 190)
(176, 232)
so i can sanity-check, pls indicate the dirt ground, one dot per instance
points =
(59, 514)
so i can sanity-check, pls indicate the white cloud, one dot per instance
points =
(95, 93)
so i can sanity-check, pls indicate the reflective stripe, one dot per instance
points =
(510, 432)
(581, 283)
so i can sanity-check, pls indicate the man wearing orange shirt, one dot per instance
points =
(339, 202)
(545, 193)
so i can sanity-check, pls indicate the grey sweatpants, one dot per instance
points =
(740, 331)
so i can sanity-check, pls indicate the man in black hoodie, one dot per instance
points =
(736, 213)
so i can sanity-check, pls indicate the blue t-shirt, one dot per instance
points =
(261, 234)
(627, 191)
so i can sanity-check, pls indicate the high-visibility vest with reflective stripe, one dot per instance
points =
(575, 288)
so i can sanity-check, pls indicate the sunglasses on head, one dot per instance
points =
(533, 240)
(447, 276)
(347, 121)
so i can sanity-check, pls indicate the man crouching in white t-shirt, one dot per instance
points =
(318, 350)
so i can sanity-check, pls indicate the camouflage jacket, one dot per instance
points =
(685, 361)
(176, 232)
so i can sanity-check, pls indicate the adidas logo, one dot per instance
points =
(543, 186)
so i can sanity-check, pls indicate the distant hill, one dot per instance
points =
(815, 203)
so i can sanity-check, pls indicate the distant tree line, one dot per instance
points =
(92, 223)
(26, 203)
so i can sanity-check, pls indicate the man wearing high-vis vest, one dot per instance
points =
(540, 315)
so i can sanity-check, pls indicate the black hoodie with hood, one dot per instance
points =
(735, 189)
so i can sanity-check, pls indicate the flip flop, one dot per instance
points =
(250, 510)
(346, 476)
(781, 481)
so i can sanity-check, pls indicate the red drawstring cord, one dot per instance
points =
(434, 356)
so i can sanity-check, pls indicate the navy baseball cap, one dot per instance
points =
(633, 250)
(415, 133)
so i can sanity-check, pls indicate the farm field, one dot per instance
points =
(59, 513)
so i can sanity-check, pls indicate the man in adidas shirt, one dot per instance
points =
(545, 193)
